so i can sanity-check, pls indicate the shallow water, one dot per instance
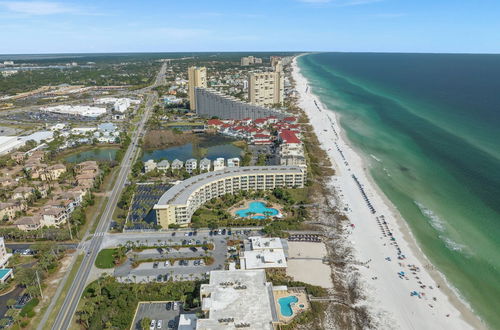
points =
(428, 126)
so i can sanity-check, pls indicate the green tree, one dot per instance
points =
(145, 323)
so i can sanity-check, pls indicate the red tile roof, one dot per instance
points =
(288, 136)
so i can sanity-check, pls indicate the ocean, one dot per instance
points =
(428, 125)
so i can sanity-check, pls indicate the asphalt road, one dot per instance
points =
(67, 311)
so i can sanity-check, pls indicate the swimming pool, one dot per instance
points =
(257, 210)
(286, 305)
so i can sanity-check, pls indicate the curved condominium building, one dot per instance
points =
(210, 103)
(177, 205)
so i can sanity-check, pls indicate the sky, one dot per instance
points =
(438, 26)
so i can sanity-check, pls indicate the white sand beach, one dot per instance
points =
(418, 298)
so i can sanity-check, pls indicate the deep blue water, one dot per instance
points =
(433, 122)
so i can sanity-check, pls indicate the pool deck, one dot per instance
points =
(301, 295)
(246, 205)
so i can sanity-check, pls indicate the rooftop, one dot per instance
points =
(235, 298)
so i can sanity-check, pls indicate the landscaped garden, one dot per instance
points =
(280, 206)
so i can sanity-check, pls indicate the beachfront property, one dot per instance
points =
(264, 253)
(211, 103)
(177, 205)
(265, 88)
(237, 299)
(197, 77)
(4, 256)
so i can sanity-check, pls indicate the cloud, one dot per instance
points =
(37, 7)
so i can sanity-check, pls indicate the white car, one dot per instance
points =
(158, 324)
(152, 326)
(167, 263)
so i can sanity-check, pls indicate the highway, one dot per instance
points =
(67, 311)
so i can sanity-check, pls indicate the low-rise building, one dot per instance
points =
(28, 223)
(53, 172)
(7, 182)
(177, 164)
(205, 165)
(219, 164)
(163, 165)
(53, 216)
(263, 253)
(9, 210)
(233, 162)
(23, 193)
(149, 166)
(191, 165)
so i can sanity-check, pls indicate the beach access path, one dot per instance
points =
(403, 289)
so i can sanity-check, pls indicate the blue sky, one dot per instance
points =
(470, 26)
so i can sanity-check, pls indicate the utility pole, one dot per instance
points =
(39, 285)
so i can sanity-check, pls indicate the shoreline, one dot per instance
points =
(380, 272)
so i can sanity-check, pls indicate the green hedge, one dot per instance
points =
(28, 308)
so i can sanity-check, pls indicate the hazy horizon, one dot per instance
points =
(55, 27)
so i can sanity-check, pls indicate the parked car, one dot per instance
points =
(152, 326)
(158, 324)
(155, 265)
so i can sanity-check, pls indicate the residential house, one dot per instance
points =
(28, 223)
(205, 165)
(53, 216)
(191, 165)
(219, 164)
(85, 180)
(163, 165)
(87, 167)
(23, 193)
(149, 166)
(177, 164)
(233, 162)
(9, 209)
(53, 172)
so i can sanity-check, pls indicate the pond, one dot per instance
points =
(99, 154)
(209, 149)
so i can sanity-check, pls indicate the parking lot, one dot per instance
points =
(165, 314)
(177, 264)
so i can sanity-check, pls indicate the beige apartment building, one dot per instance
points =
(197, 78)
(178, 204)
(266, 88)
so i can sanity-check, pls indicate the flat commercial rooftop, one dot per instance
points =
(179, 194)
(236, 298)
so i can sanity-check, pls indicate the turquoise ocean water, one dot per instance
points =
(429, 126)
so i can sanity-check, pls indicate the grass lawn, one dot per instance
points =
(105, 259)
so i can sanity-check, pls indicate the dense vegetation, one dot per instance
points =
(107, 303)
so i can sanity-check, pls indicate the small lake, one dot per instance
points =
(198, 151)
(94, 154)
